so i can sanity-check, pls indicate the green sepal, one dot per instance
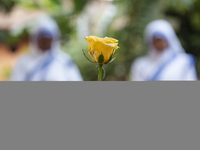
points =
(112, 58)
(87, 57)
(103, 75)
(101, 59)
(109, 59)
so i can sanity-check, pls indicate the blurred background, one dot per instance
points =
(124, 20)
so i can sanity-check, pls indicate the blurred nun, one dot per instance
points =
(166, 59)
(46, 62)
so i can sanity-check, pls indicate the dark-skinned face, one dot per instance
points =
(44, 43)
(160, 44)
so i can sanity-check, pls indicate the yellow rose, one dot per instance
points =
(105, 46)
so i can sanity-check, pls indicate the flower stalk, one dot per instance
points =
(100, 72)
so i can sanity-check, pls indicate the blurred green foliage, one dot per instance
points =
(7, 5)
(79, 5)
(134, 15)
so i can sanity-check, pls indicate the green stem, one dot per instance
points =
(100, 72)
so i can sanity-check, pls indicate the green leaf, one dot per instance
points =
(103, 74)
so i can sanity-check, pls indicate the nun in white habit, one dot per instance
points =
(166, 58)
(46, 62)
